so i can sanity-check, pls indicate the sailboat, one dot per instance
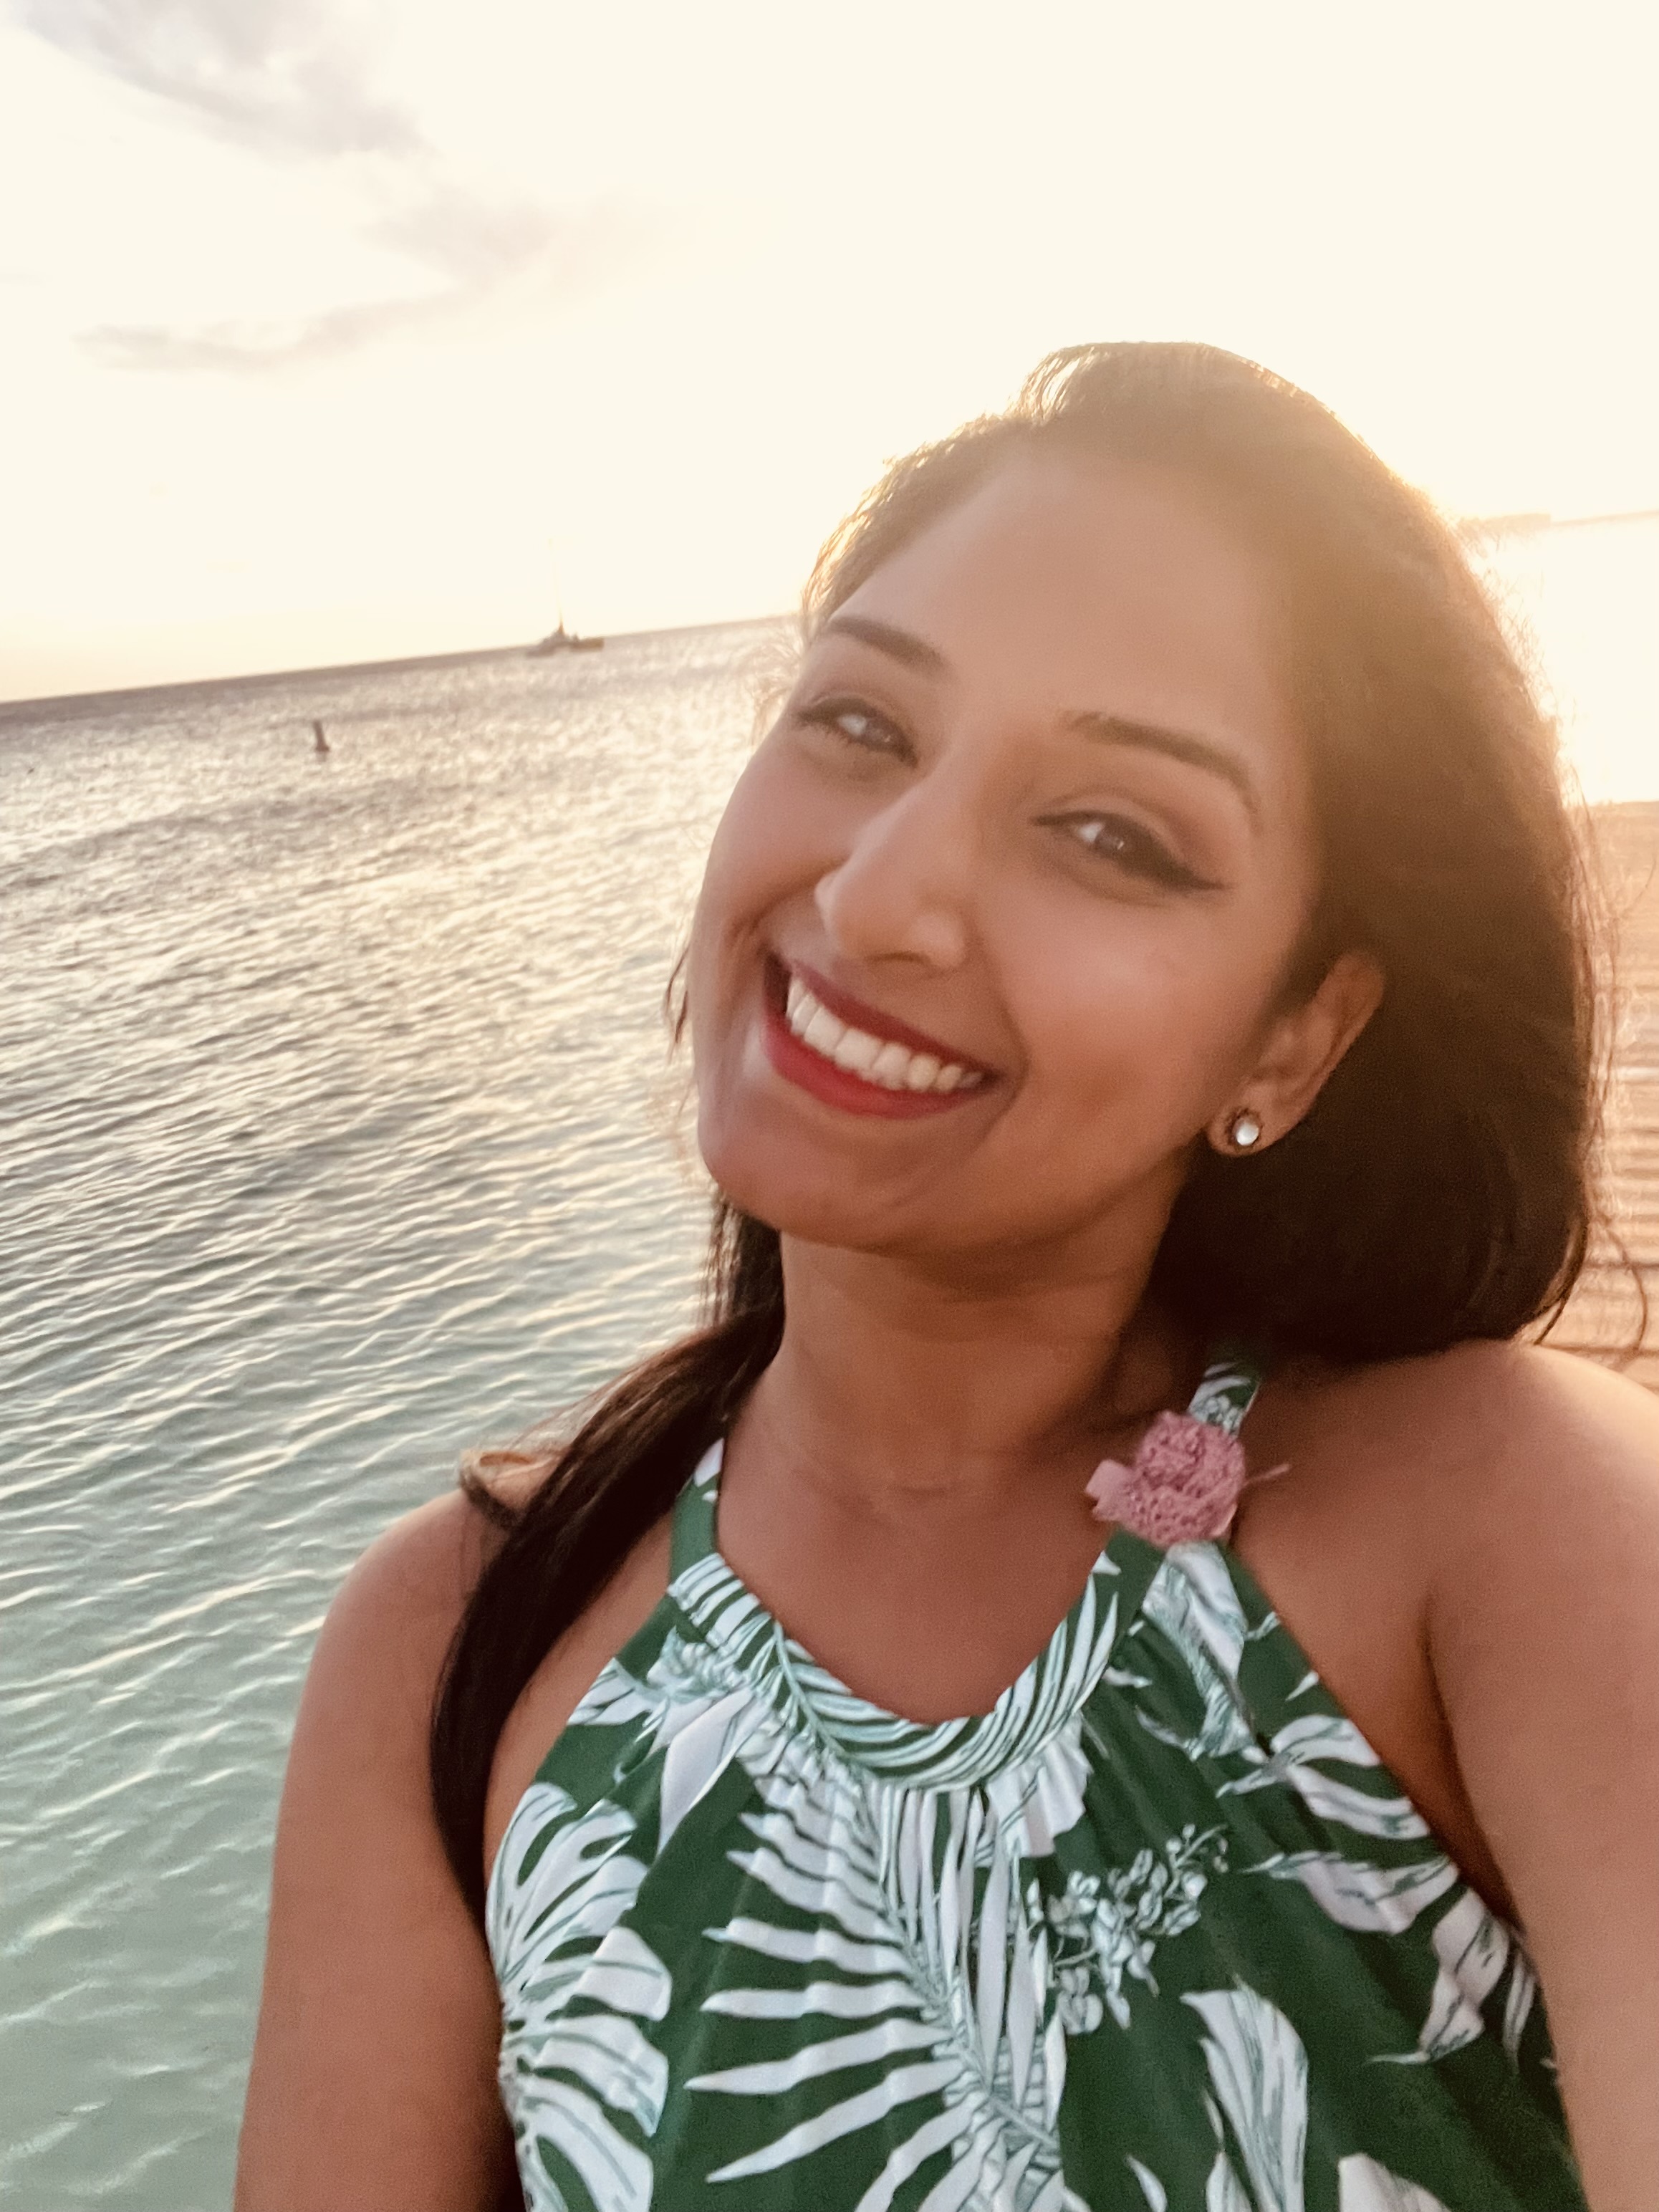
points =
(563, 640)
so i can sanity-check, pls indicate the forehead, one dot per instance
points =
(1066, 584)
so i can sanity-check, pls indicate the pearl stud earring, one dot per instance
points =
(1243, 1130)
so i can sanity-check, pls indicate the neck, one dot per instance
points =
(901, 1384)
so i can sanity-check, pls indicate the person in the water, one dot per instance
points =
(319, 744)
(1145, 1039)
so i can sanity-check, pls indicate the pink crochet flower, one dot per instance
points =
(1183, 1487)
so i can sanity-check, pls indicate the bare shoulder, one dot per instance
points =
(1463, 1486)
(1466, 1439)
(1455, 1534)
(1540, 1495)
(372, 2076)
(1522, 1489)
(406, 1595)
(392, 1624)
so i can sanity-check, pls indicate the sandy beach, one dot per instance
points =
(1604, 1315)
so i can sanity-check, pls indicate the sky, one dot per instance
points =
(342, 330)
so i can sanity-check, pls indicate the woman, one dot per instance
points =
(1143, 969)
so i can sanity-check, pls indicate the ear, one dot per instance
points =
(1302, 1047)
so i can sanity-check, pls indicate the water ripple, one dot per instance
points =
(334, 1120)
(334, 1114)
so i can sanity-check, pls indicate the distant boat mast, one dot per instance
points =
(561, 639)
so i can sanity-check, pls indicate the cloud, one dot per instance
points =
(289, 74)
(490, 256)
(476, 241)
(294, 79)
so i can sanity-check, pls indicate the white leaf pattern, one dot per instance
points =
(1473, 1947)
(925, 1880)
(614, 1701)
(1106, 1927)
(615, 2176)
(1372, 1899)
(1518, 2001)
(1395, 1820)
(1259, 2075)
(1294, 1759)
(922, 1932)
(1366, 2186)
(1225, 2192)
(699, 1754)
(1192, 1601)
(1156, 2196)
(563, 1882)
(901, 2085)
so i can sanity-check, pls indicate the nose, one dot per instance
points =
(904, 889)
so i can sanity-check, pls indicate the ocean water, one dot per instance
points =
(338, 1136)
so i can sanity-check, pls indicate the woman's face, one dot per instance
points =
(1034, 812)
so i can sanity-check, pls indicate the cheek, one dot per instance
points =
(756, 861)
(709, 977)
(734, 875)
(1147, 1022)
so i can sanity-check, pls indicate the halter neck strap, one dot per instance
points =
(1224, 1397)
(1228, 1389)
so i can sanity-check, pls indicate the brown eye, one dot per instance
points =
(1127, 844)
(860, 725)
(854, 724)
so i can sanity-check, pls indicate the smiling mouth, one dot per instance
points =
(880, 1061)
(850, 1065)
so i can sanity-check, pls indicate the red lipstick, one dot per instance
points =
(872, 1021)
(798, 1063)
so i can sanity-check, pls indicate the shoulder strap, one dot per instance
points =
(1228, 1389)
(693, 1537)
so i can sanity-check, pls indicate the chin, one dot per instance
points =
(791, 1188)
(810, 1191)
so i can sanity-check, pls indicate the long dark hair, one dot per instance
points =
(1440, 1189)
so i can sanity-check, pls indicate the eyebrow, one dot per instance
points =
(1174, 744)
(901, 644)
(1184, 745)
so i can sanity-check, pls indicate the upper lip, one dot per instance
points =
(874, 1023)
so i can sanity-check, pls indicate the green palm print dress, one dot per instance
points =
(1159, 1930)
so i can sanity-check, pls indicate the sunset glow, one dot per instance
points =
(340, 332)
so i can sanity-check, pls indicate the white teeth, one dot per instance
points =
(878, 1060)
(858, 1052)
